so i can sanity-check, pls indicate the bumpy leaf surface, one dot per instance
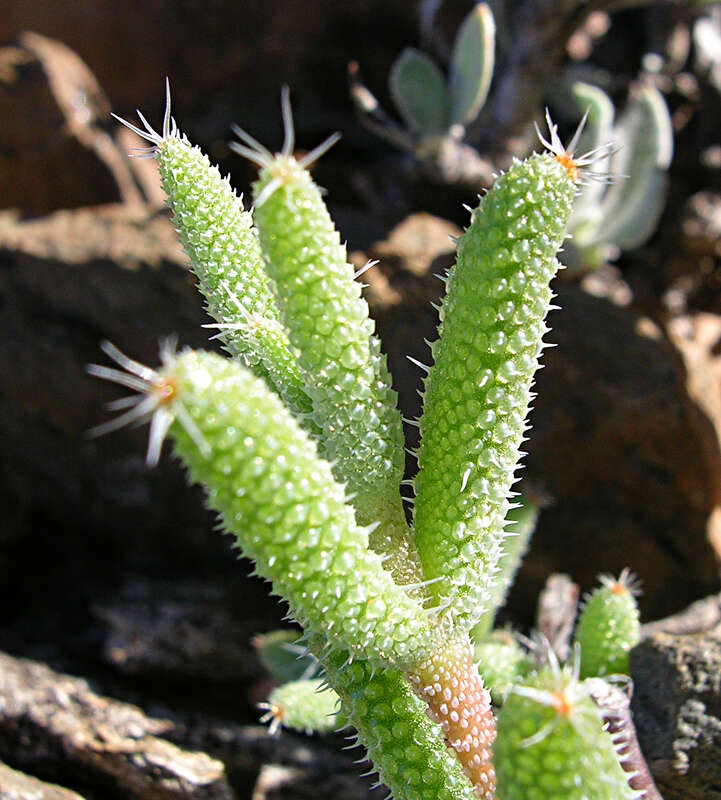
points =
(407, 748)
(224, 251)
(344, 370)
(557, 748)
(609, 626)
(305, 706)
(262, 474)
(478, 390)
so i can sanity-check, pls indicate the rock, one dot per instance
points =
(699, 617)
(614, 444)
(556, 613)
(287, 783)
(701, 224)
(210, 55)
(697, 337)
(56, 150)
(68, 281)
(247, 749)
(184, 632)
(55, 723)
(677, 710)
(688, 276)
(15, 785)
(614, 703)
(420, 244)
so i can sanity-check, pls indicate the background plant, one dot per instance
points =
(435, 106)
(623, 215)
(298, 444)
(437, 111)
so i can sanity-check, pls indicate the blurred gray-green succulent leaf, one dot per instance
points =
(284, 656)
(418, 89)
(434, 106)
(624, 214)
(645, 135)
(597, 133)
(472, 62)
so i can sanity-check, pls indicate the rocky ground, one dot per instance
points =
(111, 572)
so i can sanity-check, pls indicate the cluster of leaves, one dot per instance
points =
(299, 445)
(545, 708)
(433, 105)
(621, 215)
(608, 217)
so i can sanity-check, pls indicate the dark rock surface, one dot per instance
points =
(58, 728)
(613, 443)
(56, 725)
(57, 149)
(80, 515)
(246, 750)
(288, 783)
(70, 280)
(15, 785)
(614, 702)
(696, 337)
(178, 631)
(699, 617)
(677, 710)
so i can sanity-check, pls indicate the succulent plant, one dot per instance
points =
(552, 743)
(621, 212)
(302, 705)
(609, 627)
(434, 106)
(297, 441)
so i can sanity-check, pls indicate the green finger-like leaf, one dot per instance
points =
(478, 390)
(472, 62)
(307, 706)
(552, 744)
(609, 626)
(406, 747)
(263, 476)
(224, 251)
(343, 368)
(418, 89)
